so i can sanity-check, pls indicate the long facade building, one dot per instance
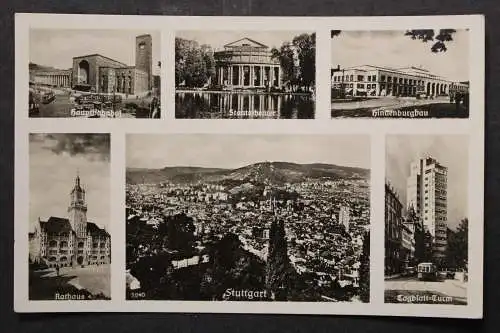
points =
(98, 73)
(368, 80)
(54, 78)
(66, 242)
(393, 230)
(246, 63)
(427, 192)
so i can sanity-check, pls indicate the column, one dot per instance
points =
(240, 75)
(230, 75)
(252, 76)
(279, 77)
(261, 76)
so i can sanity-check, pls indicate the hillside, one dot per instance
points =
(265, 172)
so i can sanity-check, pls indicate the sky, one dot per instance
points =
(54, 164)
(217, 39)
(394, 49)
(155, 151)
(56, 48)
(450, 151)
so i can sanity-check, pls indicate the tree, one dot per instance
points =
(194, 64)
(306, 49)
(176, 233)
(457, 248)
(278, 270)
(285, 55)
(364, 270)
(298, 60)
(429, 35)
(428, 242)
(425, 35)
(335, 33)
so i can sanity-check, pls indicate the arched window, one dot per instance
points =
(83, 72)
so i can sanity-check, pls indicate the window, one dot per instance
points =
(369, 78)
(374, 78)
(382, 78)
(351, 78)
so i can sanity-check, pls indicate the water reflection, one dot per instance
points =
(239, 105)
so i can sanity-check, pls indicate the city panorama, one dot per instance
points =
(264, 223)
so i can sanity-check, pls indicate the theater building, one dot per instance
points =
(71, 241)
(101, 74)
(368, 80)
(247, 63)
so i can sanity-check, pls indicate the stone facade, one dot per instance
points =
(370, 80)
(55, 78)
(101, 74)
(246, 63)
(72, 241)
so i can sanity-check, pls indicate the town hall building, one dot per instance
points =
(71, 241)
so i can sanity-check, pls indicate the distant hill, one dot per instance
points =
(265, 172)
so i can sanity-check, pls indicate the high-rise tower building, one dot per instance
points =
(427, 193)
(344, 217)
(144, 56)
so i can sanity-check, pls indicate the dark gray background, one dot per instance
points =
(95, 323)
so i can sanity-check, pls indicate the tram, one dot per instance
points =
(427, 271)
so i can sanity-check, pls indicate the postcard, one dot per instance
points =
(294, 165)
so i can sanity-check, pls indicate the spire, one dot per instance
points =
(77, 179)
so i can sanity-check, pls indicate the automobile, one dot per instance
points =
(48, 97)
(410, 270)
(442, 274)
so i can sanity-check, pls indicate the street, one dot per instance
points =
(94, 279)
(447, 291)
(61, 107)
(437, 108)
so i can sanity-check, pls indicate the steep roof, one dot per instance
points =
(94, 230)
(56, 225)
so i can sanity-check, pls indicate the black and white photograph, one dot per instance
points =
(245, 75)
(281, 218)
(400, 73)
(426, 219)
(69, 210)
(92, 73)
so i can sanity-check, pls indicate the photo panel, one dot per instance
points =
(69, 212)
(245, 74)
(91, 73)
(285, 219)
(426, 219)
(400, 73)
